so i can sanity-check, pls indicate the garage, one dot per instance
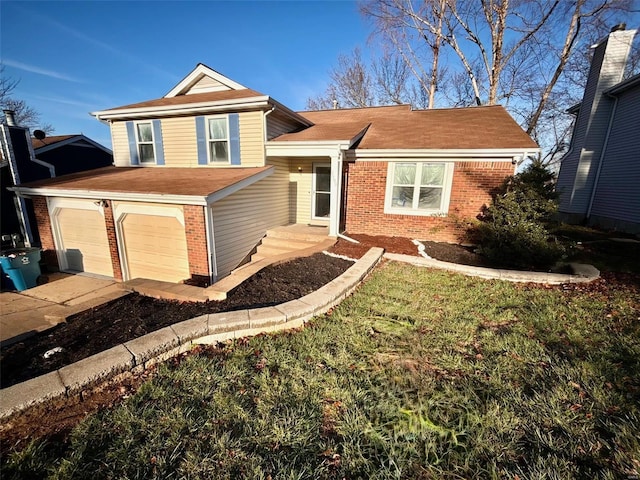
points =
(82, 240)
(154, 246)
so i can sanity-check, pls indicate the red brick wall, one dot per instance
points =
(46, 234)
(471, 189)
(195, 228)
(113, 243)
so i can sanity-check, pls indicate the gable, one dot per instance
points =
(203, 79)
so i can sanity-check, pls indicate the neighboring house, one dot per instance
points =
(26, 159)
(599, 178)
(202, 173)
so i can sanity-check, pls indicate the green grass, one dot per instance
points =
(420, 374)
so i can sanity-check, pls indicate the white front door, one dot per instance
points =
(321, 191)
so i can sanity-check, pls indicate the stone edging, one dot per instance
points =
(140, 353)
(584, 273)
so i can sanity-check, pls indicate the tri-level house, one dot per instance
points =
(204, 172)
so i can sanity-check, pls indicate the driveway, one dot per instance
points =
(25, 313)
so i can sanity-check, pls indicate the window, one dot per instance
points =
(417, 188)
(144, 140)
(218, 140)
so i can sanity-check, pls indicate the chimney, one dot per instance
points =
(578, 171)
(10, 115)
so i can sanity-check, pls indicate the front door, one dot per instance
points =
(321, 194)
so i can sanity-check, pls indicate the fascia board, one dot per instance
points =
(305, 149)
(440, 153)
(225, 192)
(165, 110)
(118, 196)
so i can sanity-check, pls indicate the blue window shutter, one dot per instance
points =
(157, 142)
(133, 145)
(234, 138)
(201, 134)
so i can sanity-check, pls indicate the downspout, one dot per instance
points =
(265, 129)
(211, 246)
(601, 159)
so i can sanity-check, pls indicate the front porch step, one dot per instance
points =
(304, 233)
(288, 243)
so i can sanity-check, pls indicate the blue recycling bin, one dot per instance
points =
(22, 266)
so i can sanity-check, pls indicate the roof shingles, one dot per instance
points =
(148, 180)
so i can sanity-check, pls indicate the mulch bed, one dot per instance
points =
(133, 316)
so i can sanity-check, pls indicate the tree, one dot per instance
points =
(25, 115)
(523, 54)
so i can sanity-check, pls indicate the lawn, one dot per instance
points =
(420, 374)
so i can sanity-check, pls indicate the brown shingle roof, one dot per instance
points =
(399, 127)
(50, 140)
(194, 98)
(160, 181)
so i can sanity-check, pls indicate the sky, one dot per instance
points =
(72, 58)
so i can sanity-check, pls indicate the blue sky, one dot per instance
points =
(76, 57)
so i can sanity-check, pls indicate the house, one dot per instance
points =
(25, 159)
(204, 172)
(599, 177)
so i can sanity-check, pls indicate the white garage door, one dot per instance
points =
(155, 247)
(83, 235)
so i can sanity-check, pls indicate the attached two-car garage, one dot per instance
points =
(150, 238)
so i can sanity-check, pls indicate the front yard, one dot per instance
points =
(420, 374)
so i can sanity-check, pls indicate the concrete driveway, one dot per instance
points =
(25, 313)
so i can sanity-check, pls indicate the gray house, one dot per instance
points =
(599, 178)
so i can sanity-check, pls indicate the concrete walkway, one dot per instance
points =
(34, 310)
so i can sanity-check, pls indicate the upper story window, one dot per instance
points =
(144, 136)
(418, 188)
(218, 140)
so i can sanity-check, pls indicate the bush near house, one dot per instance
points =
(513, 230)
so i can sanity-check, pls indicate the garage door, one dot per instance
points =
(155, 247)
(84, 241)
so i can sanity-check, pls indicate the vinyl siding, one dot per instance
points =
(180, 142)
(579, 166)
(207, 84)
(618, 193)
(242, 219)
(180, 146)
(120, 143)
(277, 124)
(251, 139)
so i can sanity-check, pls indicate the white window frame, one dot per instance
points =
(138, 142)
(447, 180)
(209, 140)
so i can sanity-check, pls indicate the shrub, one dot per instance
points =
(513, 229)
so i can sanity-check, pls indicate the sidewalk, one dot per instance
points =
(25, 313)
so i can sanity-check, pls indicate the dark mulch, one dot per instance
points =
(453, 253)
(133, 316)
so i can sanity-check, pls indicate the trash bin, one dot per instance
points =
(22, 266)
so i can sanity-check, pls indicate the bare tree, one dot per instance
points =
(25, 115)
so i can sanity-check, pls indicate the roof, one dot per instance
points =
(193, 98)
(50, 140)
(623, 86)
(159, 181)
(400, 127)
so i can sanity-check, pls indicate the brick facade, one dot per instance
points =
(113, 244)
(471, 188)
(47, 244)
(196, 232)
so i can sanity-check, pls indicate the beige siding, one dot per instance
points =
(242, 219)
(207, 84)
(155, 247)
(180, 143)
(277, 124)
(84, 241)
(120, 143)
(251, 139)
